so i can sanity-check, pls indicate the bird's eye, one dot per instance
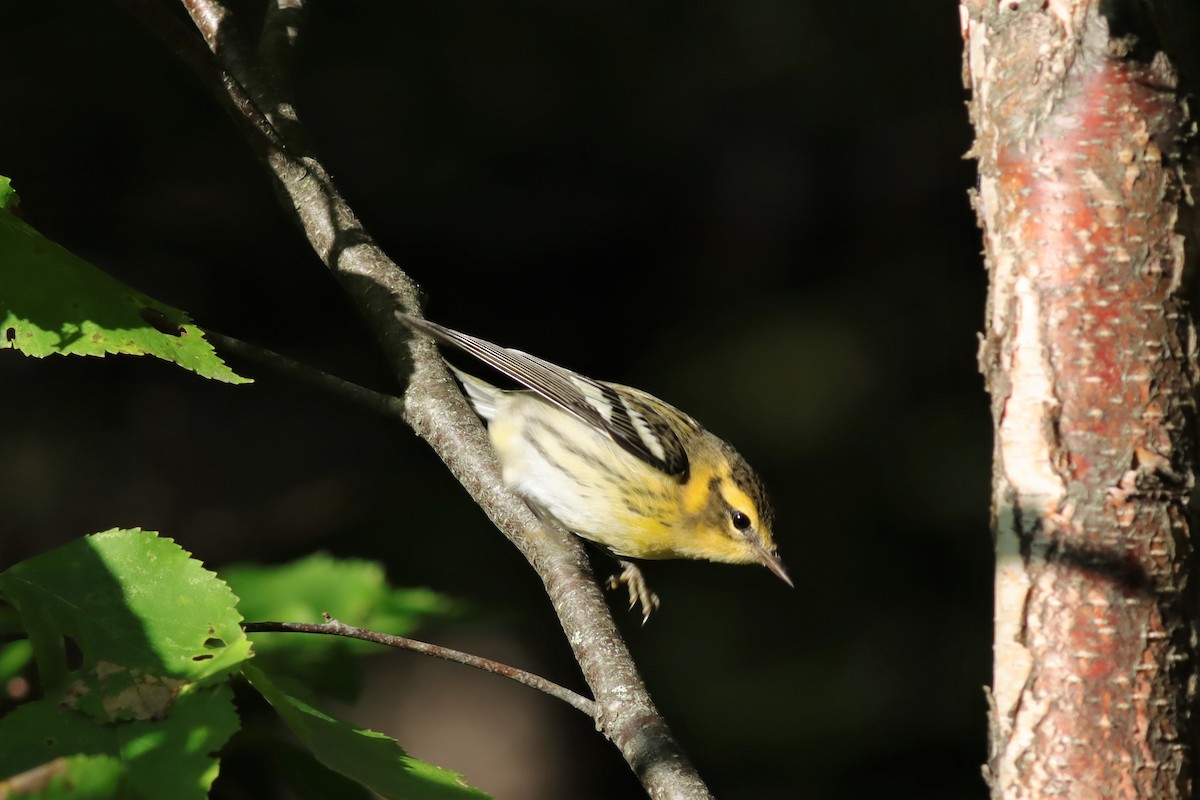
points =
(740, 520)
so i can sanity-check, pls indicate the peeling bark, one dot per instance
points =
(1088, 353)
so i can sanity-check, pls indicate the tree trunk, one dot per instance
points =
(1089, 356)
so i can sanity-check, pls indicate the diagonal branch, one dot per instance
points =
(252, 92)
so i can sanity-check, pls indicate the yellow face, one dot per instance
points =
(731, 516)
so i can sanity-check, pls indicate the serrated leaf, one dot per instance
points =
(52, 301)
(147, 619)
(166, 759)
(366, 757)
(353, 591)
(70, 778)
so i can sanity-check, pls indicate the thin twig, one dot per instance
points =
(333, 627)
(211, 18)
(376, 401)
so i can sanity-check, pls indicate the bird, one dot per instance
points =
(616, 465)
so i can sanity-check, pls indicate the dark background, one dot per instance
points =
(755, 209)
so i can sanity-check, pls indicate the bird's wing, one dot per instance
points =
(635, 420)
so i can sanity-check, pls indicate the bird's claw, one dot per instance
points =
(639, 590)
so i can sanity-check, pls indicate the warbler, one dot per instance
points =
(616, 465)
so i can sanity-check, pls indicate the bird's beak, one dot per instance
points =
(771, 561)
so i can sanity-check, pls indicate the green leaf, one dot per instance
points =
(8, 195)
(147, 619)
(164, 759)
(354, 591)
(70, 778)
(372, 759)
(52, 301)
(14, 657)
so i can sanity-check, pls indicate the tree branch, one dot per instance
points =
(333, 627)
(434, 407)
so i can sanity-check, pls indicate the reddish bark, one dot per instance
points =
(1088, 355)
